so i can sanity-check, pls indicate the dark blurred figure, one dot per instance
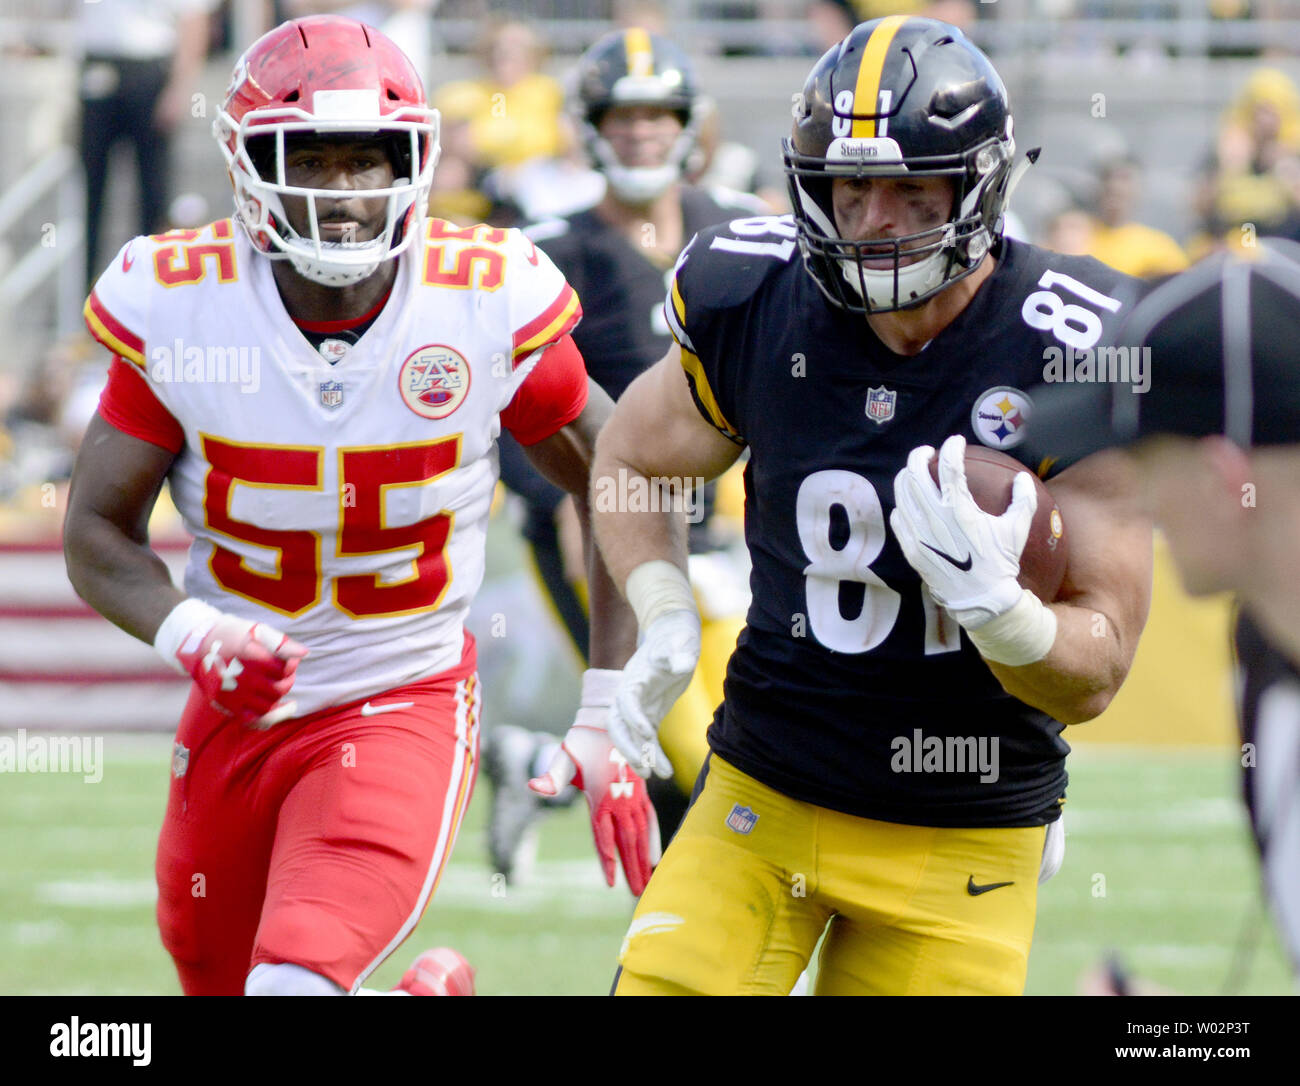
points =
(140, 62)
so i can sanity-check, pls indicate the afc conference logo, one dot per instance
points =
(999, 416)
(434, 381)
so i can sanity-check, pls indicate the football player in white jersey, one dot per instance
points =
(322, 382)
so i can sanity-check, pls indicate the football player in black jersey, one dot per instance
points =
(1217, 444)
(635, 103)
(878, 772)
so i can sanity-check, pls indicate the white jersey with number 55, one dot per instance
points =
(344, 503)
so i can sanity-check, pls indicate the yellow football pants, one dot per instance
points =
(738, 903)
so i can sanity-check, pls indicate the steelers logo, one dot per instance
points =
(434, 381)
(999, 416)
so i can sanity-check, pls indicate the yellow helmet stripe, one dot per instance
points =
(640, 55)
(867, 92)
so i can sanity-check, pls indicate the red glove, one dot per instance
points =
(622, 819)
(243, 668)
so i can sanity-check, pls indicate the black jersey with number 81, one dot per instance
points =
(849, 688)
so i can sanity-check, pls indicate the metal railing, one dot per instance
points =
(58, 250)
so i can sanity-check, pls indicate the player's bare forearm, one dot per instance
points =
(654, 435)
(1103, 604)
(115, 484)
(566, 459)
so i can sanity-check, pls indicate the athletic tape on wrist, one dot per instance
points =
(181, 621)
(1022, 635)
(599, 686)
(656, 587)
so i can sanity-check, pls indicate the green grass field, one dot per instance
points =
(1160, 833)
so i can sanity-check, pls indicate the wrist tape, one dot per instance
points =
(656, 587)
(1022, 635)
(185, 618)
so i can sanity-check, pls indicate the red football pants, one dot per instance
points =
(318, 842)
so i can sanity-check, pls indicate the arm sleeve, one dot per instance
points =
(551, 397)
(129, 404)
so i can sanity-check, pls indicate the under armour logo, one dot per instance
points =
(229, 673)
(622, 787)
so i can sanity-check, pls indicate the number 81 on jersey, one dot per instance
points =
(828, 567)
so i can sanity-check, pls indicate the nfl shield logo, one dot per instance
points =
(741, 819)
(331, 393)
(880, 404)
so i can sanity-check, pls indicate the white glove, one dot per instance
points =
(623, 821)
(970, 559)
(656, 676)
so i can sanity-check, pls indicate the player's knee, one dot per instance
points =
(286, 979)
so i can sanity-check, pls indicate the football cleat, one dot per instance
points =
(438, 972)
(508, 761)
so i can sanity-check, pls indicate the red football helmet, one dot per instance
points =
(325, 74)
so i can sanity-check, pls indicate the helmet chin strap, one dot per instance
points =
(641, 184)
(329, 274)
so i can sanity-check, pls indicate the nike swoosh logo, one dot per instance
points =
(391, 707)
(127, 259)
(963, 566)
(975, 891)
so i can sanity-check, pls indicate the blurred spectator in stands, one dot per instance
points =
(42, 418)
(1108, 232)
(408, 22)
(513, 108)
(140, 62)
(1250, 184)
(507, 118)
(727, 164)
(829, 21)
(649, 15)
(960, 13)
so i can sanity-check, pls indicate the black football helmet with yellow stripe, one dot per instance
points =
(635, 68)
(900, 96)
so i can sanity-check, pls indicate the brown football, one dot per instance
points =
(989, 474)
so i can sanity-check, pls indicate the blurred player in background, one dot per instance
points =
(1217, 444)
(635, 104)
(141, 59)
(908, 323)
(321, 382)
